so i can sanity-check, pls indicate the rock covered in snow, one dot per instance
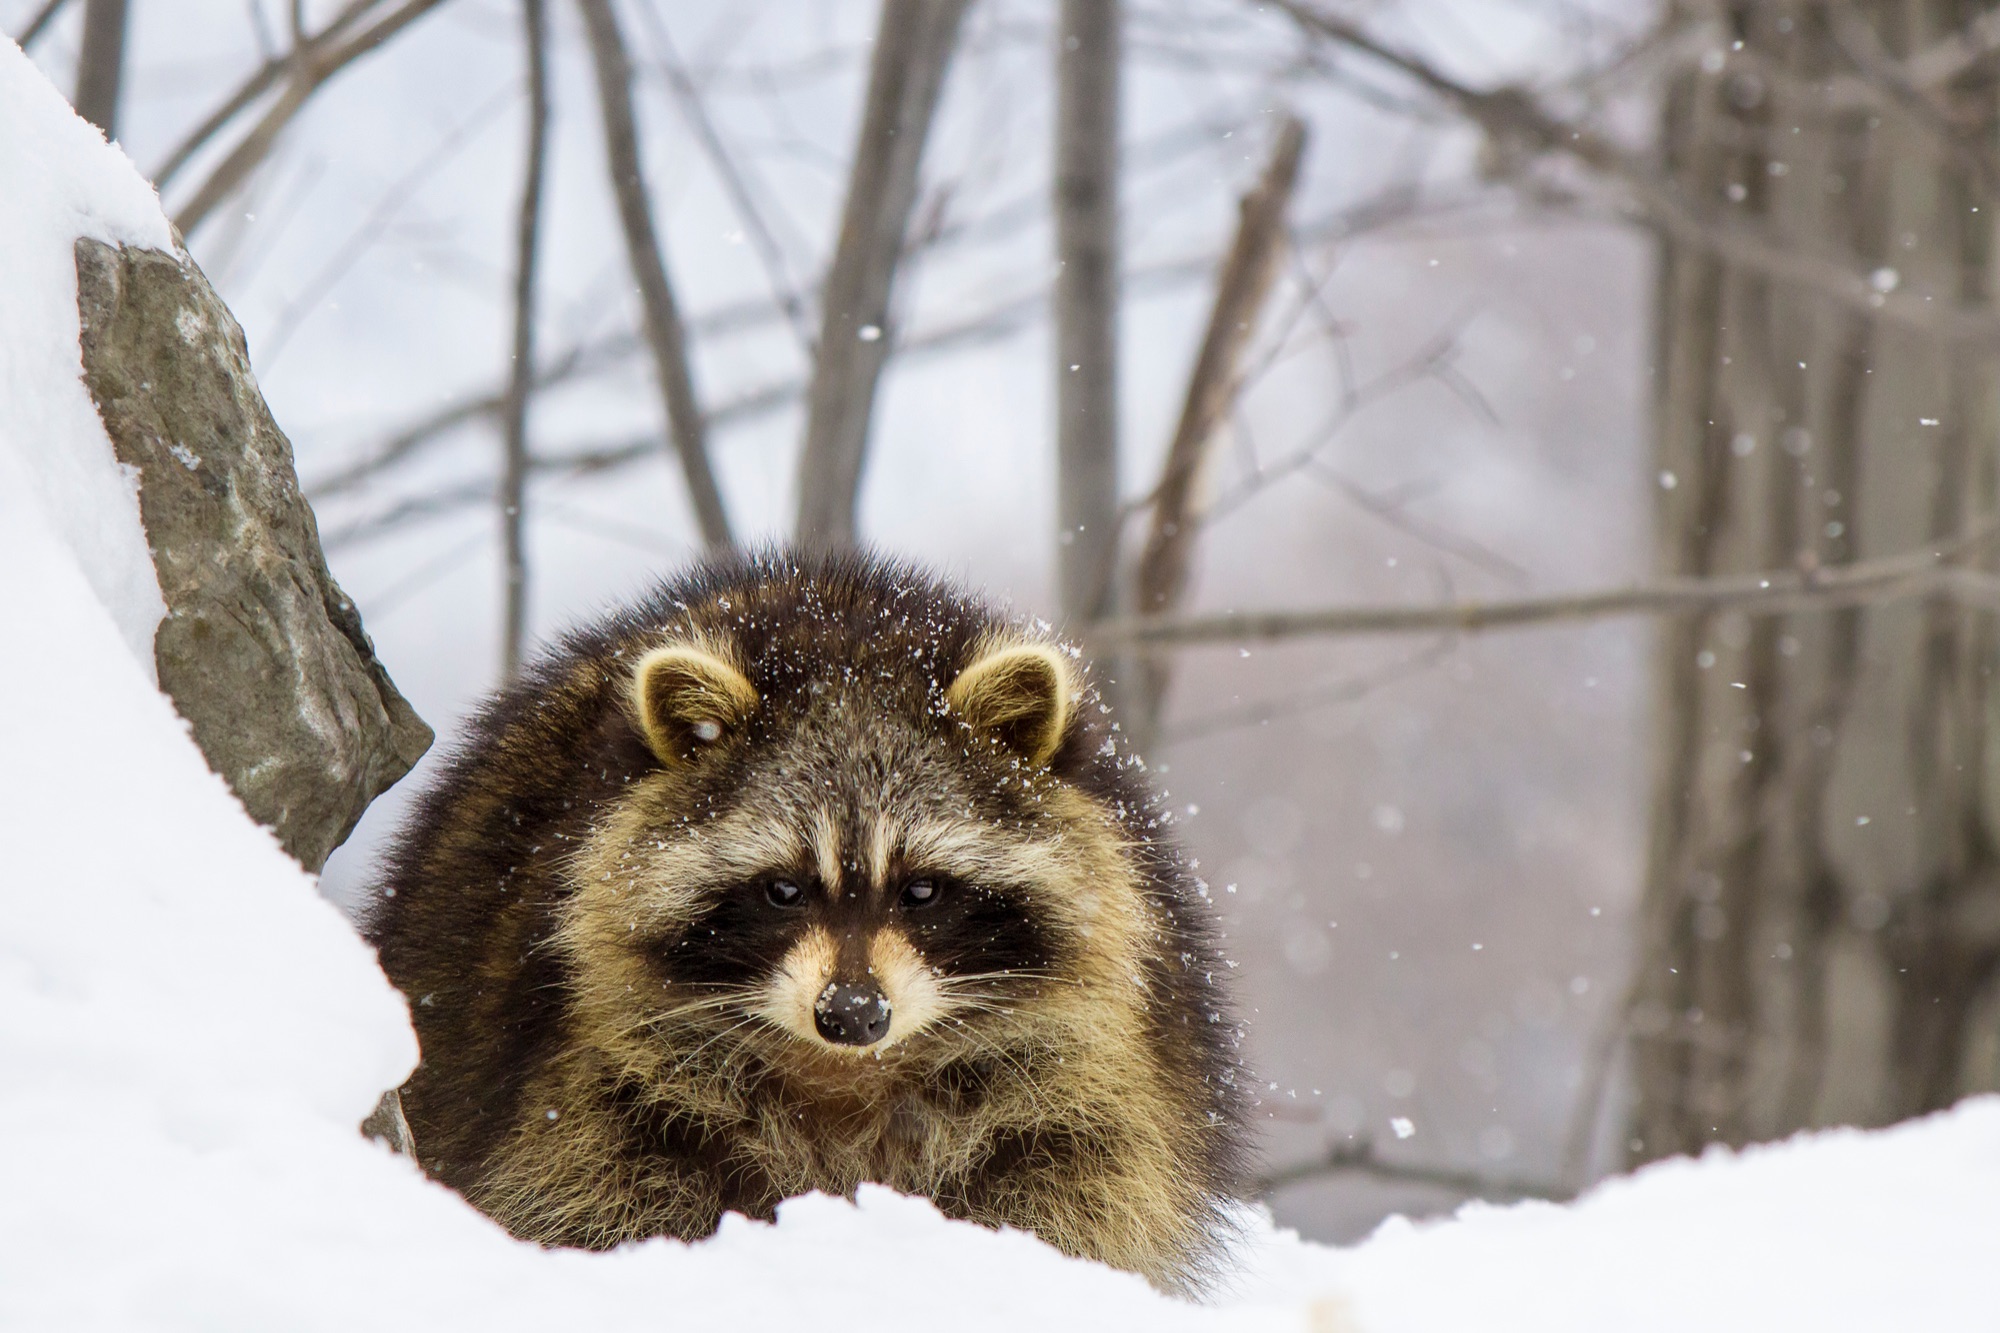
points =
(260, 650)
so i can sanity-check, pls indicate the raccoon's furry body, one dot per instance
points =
(799, 874)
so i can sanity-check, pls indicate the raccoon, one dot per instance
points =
(800, 873)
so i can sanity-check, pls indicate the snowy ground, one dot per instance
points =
(189, 1035)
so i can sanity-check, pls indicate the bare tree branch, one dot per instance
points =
(1086, 306)
(1002, 319)
(310, 70)
(1512, 116)
(1858, 42)
(1956, 55)
(1346, 689)
(913, 45)
(434, 503)
(252, 88)
(514, 472)
(665, 336)
(769, 253)
(1353, 400)
(582, 359)
(1161, 579)
(315, 289)
(1914, 574)
(100, 68)
(43, 17)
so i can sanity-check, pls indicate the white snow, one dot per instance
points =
(60, 181)
(189, 1036)
(1841, 1230)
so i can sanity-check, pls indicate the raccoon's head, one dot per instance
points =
(847, 860)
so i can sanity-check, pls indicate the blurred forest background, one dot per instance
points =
(1527, 465)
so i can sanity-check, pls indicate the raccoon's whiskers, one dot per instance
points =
(731, 997)
(984, 1045)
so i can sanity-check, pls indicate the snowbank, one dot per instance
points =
(59, 180)
(189, 1036)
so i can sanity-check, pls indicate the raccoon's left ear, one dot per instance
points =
(1022, 694)
(687, 699)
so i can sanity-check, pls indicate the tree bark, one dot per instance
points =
(913, 45)
(666, 337)
(100, 67)
(1167, 561)
(260, 651)
(521, 371)
(37, 25)
(1820, 930)
(1086, 307)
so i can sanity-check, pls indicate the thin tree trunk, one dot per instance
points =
(1086, 306)
(1161, 579)
(100, 69)
(36, 25)
(1821, 920)
(913, 45)
(666, 337)
(514, 473)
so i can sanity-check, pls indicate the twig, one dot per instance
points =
(1956, 55)
(1161, 578)
(772, 256)
(310, 71)
(1511, 116)
(582, 359)
(1856, 40)
(43, 17)
(1360, 1156)
(252, 88)
(1354, 399)
(665, 336)
(999, 320)
(1347, 689)
(315, 289)
(514, 470)
(1394, 511)
(1241, 285)
(913, 45)
(1916, 574)
(1085, 306)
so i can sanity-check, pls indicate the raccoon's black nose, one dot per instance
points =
(851, 1015)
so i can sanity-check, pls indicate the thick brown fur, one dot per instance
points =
(616, 1023)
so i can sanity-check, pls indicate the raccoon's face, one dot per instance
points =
(843, 886)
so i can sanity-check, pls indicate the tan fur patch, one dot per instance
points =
(1022, 693)
(823, 837)
(916, 1001)
(884, 836)
(788, 997)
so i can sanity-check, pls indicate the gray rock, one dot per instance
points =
(261, 651)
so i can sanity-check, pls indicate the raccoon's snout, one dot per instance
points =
(847, 1014)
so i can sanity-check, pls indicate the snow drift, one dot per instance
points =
(189, 1035)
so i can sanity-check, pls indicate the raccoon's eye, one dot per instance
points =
(922, 892)
(784, 893)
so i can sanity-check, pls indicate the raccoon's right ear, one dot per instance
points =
(1022, 695)
(687, 699)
